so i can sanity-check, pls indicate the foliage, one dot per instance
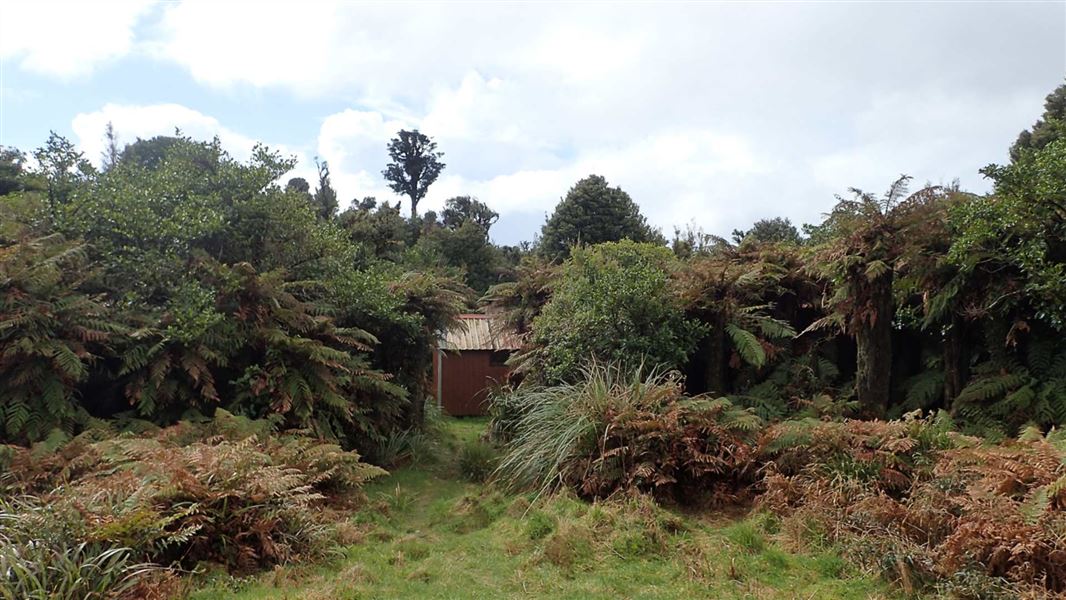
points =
(1018, 236)
(51, 333)
(414, 165)
(229, 490)
(324, 199)
(618, 430)
(592, 213)
(1049, 127)
(612, 304)
(461, 241)
(774, 231)
(927, 507)
(1004, 396)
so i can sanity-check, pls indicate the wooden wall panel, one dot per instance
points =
(464, 380)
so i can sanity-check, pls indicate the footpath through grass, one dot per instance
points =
(427, 534)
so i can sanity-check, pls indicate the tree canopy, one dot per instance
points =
(414, 164)
(591, 213)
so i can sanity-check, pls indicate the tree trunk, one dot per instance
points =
(873, 338)
(716, 360)
(956, 360)
(414, 208)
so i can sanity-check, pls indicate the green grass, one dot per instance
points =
(428, 534)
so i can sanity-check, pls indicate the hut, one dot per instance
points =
(469, 361)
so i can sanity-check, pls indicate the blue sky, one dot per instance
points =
(711, 114)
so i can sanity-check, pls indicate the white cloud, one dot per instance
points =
(717, 113)
(67, 39)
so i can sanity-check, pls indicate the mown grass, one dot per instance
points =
(428, 534)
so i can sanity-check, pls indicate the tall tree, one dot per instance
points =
(414, 165)
(1050, 127)
(324, 199)
(12, 170)
(111, 152)
(592, 213)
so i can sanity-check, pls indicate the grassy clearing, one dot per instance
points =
(429, 534)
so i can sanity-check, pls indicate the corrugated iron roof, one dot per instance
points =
(475, 332)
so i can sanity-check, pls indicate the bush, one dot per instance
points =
(617, 431)
(927, 507)
(612, 304)
(221, 491)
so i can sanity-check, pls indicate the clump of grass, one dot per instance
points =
(476, 461)
(745, 536)
(570, 546)
(539, 525)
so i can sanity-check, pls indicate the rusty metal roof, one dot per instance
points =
(475, 332)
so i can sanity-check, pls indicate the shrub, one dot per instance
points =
(927, 507)
(190, 493)
(617, 430)
(612, 304)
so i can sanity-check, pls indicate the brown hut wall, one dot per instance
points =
(464, 379)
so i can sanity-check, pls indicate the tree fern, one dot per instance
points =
(50, 332)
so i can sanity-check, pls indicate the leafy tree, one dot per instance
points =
(612, 304)
(461, 242)
(1050, 127)
(150, 153)
(414, 164)
(463, 209)
(298, 185)
(325, 197)
(1020, 234)
(380, 230)
(777, 230)
(64, 170)
(12, 170)
(593, 213)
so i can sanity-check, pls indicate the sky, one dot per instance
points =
(710, 115)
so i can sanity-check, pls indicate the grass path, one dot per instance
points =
(426, 534)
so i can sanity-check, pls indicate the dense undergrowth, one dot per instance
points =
(104, 507)
(930, 508)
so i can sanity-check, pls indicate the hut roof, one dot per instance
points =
(476, 332)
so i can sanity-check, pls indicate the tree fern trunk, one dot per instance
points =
(716, 359)
(873, 337)
(956, 360)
